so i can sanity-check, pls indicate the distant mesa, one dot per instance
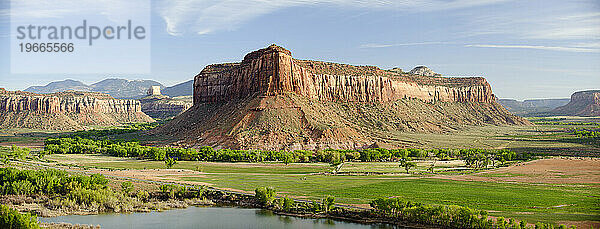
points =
(532, 107)
(583, 103)
(183, 89)
(161, 106)
(68, 110)
(272, 101)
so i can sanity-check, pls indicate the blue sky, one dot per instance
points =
(525, 49)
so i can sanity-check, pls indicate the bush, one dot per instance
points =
(12, 219)
(288, 203)
(265, 195)
(48, 181)
(126, 187)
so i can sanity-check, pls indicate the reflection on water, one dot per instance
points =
(208, 217)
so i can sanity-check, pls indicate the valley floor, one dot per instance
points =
(542, 190)
(559, 189)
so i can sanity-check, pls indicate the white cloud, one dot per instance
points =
(565, 21)
(540, 47)
(207, 16)
(402, 44)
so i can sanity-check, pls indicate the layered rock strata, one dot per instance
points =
(272, 101)
(583, 103)
(163, 107)
(66, 110)
(273, 71)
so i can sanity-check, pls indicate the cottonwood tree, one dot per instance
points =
(169, 162)
(407, 165)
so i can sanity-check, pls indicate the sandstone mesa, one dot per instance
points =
(272, 101)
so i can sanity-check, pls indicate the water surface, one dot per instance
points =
(207, 217)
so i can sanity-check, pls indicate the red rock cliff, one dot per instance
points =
(72, 102)
(66, 110)
(273, 71)
(583, 103)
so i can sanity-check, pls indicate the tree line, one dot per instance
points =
(448, 216)
(77, 145)
(101, 133)
(396, 210)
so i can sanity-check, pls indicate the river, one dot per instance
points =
(207, 217)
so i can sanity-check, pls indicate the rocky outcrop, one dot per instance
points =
(272, 101)
(273, 71)
(583, 103)
(163, 107)
(66, 110)
(423, 71)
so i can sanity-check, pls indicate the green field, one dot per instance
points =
(360, 182)
(532, 202)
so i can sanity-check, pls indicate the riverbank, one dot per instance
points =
(42, 206)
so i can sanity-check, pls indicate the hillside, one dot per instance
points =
(583, 103)
(272, 101)
(532, 107)
(60, 86)
(117, 88)
(66, 110)
(182, 89)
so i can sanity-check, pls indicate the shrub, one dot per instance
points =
(328, 203)
(288, 203)
(12, 219)
(126, 187)
(265, 195)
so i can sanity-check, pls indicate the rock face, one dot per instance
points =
(160, 106)
(272, 101)
(154, 90)
(66, 110)
(583, 103)
(272, 71)
(423, 71)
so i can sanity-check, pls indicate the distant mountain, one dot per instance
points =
(122, 88)
(60, 86)
(532, 107)
(182, 89)
(117, 88)
(583, 103)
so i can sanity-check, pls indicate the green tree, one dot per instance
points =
(169, 162)
(19, 153)
(337, 161)
(288, 158)
(12, 219)
(407, 165)
(265, 195)
(288, 203)
(328, 203)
